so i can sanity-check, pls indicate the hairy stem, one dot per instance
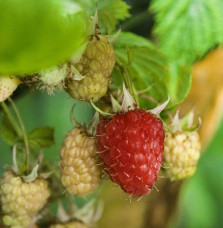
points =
(25, 138)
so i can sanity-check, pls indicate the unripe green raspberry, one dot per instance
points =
(21, 201)
(181, 153)
(8, 85)
(53, 77)
(96, 64)
(80, 173)
(72, 224)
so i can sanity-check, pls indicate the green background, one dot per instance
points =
(39, 109)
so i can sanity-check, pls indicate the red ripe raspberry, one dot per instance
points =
(131, 146)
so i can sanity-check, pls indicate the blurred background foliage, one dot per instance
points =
(27, 29)
(200, 200)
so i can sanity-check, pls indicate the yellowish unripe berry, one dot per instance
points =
(21, 201)
(80, 173)
(8, 85)
(181, 153)
(53, 78)
(96, 65)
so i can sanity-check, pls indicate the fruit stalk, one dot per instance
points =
(11, 119)
(127, 78)
(24, 135)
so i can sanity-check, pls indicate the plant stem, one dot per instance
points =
(25, 138)
(127, 78)
(11, 119)
(70, 200)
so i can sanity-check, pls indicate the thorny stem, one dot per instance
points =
(25, 138)
(11, 119)
(127, 78)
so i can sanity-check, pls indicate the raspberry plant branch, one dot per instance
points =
(127, 78)
(24, 134)
(11, 119)
(70, 206)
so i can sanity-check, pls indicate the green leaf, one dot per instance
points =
(178, 83)
(38, 34)
(188, 29)
(7, 131)
(132, 40)
(110, 12)
(146, 70)
(41, 137)
(149, 69)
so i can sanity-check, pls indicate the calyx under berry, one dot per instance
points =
(184, 124)
(83, 217)
(128, 104)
